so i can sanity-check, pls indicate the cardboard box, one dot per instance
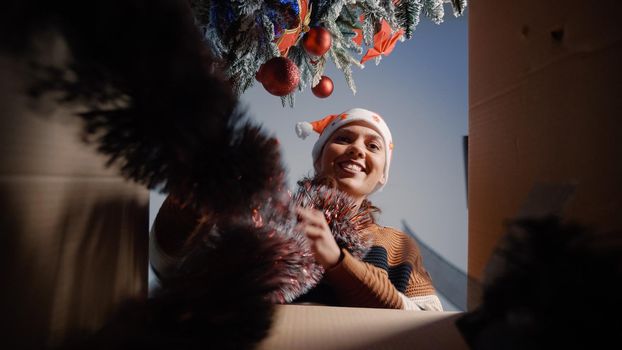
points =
(73, 233)
(544, 116)
(324, 327)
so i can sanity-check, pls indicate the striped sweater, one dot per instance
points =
(390, 276)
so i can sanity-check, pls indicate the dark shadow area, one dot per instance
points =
(17, 284)
(71, 275)
(550, 285)
(104, 263)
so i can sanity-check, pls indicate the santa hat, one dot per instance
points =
(329, 124)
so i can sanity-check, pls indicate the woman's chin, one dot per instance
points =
(349, 185)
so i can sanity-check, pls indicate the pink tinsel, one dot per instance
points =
(298, 270)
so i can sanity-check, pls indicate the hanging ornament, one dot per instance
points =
(290, 35)
(317, 41)
(324, 88)
(279, 76)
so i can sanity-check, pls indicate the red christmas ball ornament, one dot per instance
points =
(279, 76)
(324, 88)
(317, 41)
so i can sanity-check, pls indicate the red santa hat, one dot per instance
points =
(329, 124)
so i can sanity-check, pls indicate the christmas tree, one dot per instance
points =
(284, 44)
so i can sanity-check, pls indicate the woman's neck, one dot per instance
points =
(358, 202)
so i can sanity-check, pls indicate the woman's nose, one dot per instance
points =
(356, 150)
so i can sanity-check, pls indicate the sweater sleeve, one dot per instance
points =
(360, 284)
(392, 275)
(171, 228)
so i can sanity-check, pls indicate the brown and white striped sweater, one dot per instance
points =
(390, 276)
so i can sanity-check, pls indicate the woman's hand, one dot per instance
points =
(312, 223)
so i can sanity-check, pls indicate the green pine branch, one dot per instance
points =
(246, 39)
(407, 14)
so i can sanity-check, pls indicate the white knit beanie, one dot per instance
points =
(329, 124)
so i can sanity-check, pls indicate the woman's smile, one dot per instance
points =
(351, 167)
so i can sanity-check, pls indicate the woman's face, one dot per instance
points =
(354, 156)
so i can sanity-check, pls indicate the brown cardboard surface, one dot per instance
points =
(323, 327)
(544, 115)
(73, 234)
(74, 248)
(39, 135)
(507, 42)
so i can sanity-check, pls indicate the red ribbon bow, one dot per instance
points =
(384, 42)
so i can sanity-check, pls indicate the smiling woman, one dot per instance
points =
(355, 157)
(354, 152)
(360, 263)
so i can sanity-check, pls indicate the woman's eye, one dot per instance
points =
(342, 139)
(374, 146)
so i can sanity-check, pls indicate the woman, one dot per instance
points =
(354, 150)
(353, 153)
